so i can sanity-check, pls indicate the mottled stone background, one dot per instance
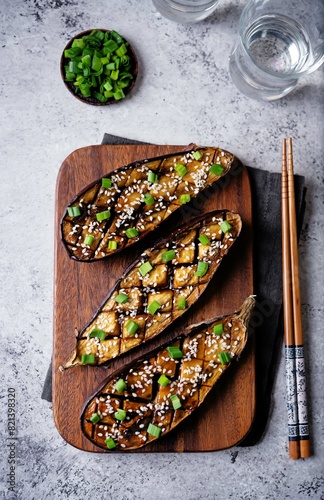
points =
(183, 95)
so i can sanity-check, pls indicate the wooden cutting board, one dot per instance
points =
(226, 416)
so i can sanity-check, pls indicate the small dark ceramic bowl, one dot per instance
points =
(92, 100)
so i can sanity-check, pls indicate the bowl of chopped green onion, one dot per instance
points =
(99, 67)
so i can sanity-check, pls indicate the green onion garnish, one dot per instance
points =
(120, 414)
(174, 352)
(97, 333)
(95, 417)
(88, 240)
(103, 215)
(119, 94)
(131, 327)
(74, 211)
(153, 307)
(145, 268)
(164, 381)
(169, 255)
(218, 329)
(224, 357)
(110, 443)
(106, 183)
(112, 245)
(154, 430)
(202, 269)
(152, 177)
(216, 169)
(131, 232)
(88, 359)
(98, 63)
(181, 169)
(148, 199)
(185, 198)
(176, 403)
(225, 226)
(197, 155)
(121, 298)
(204, 240)
(120, 385)
(182, 303)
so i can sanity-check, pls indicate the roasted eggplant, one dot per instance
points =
(122, 207)
(151, 396)
(157, 288)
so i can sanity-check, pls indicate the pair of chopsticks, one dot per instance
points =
(298, 429)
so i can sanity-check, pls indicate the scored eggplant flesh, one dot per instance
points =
(140, 197)
(148, 400)
(155, 290)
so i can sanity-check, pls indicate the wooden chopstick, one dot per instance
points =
(298, 429)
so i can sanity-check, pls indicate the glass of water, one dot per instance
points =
(185, 11)
(279, 41)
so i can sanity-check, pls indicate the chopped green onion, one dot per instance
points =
(131, 232)
(119, 94)
(120, 385)
(182, 303)
(148, 199)
(225, 226)
(95, 55)
(204, 240)
(112, 245)
(202, 269)
(152, 177)
(176, 403)
(105, 182)
(153, 307)
(111, 46)
(103, 215)
(145, 268)
(88, 240)
(114, 74)
(95, 418)
(122, 50)
(121, 298)
(216, 169)
(117, 37)
(96, 64)
(181, 169)
(197, 155)
(107, 86)
(88, 359)
(154, 430)
(110, 443)
(185, 198)
(174, 352)
(132, 327)
(224, 357)
(74, 211)
(218, 329)
(169, 255)
(164, 381)
(120, 414)
(97, 333)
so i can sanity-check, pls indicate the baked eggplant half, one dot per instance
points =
(119, 209)
(151, 396)
(157, 288)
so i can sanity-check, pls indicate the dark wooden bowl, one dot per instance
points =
(92, 100)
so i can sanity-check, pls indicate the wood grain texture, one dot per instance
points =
(79, 288)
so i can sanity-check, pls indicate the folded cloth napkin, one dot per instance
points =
(267, 318)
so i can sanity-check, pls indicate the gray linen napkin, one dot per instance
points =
(267, 318)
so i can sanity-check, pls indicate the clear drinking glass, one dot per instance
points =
(279, 41)
(185, 11)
